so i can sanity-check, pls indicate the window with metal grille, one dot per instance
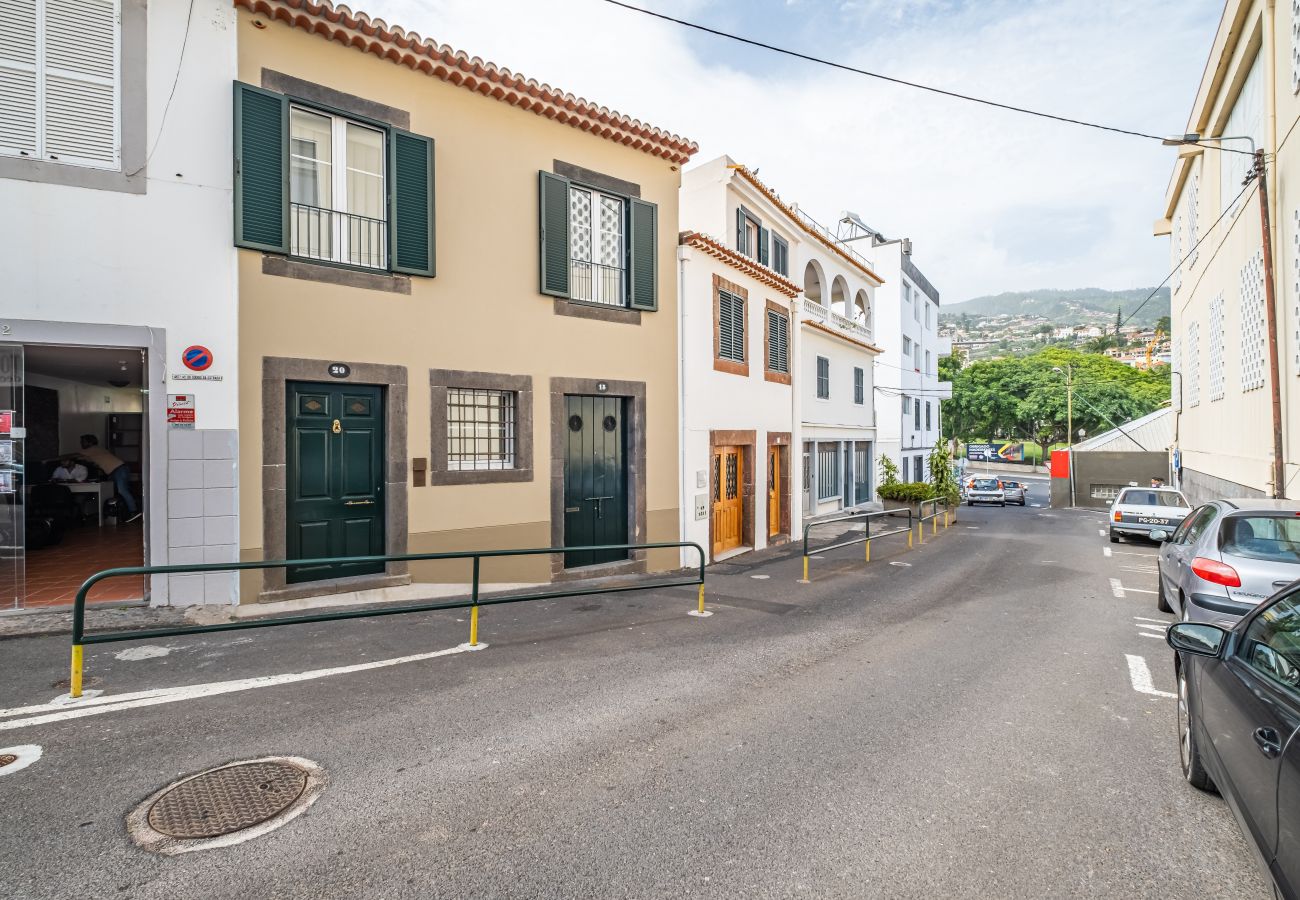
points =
(1193, 215)
(1193, 363)
(1216, 348)
(859, 384)
(60, 82)
(338, 193)
(823, 378)
(828, 471)
(731, 327)
(778, 342)
(597, 255)
(480, 429)
(1253, 340)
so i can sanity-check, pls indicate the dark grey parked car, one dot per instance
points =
(1226, 557)
(1239, 725)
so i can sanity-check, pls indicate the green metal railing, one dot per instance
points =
(473, 602)
(866, 538)
(948, 514)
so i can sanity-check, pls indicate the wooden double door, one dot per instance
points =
(334, 477)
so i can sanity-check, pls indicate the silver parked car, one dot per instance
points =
(1227, 557)
(985, 490)
(1014, 492)
(1147, 512)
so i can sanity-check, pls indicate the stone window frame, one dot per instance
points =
(132, 99)
(629, 190)
(729, 366)
(770, 374)
(440, 380)
(276, 373)
(635, 419)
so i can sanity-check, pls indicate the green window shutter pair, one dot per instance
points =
(778, 348)
(731, 327)
(262, 183)
(553, 236)
(764, 239)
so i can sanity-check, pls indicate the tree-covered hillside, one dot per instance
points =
(1065, 307)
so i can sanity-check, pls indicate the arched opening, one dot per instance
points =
(840, 296)
(812, 282)
(862, 309)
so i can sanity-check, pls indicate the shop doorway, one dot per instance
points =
(73, 471)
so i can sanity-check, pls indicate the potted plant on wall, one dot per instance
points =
(897, 494)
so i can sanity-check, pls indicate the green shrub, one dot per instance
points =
(913, 492)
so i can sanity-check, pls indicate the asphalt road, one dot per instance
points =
(965, 725)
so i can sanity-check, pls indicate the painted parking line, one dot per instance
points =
(1116, 588)
(45, 713)
(1101, 531)
(1147, 619)
(1106, 552)
(1140, 676)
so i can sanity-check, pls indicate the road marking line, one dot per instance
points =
(1138, 590)
(1106, 551)
(1158, 637)
(1116, 588)
(106, 704)
(1140, 676)
(1160, 628)
(1131, 553)
(1101, 531)
(1147, 619)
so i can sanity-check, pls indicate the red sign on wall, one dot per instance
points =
(1060, 463)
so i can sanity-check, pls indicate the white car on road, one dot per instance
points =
(1147, 512)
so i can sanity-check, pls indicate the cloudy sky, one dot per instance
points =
(992, 200)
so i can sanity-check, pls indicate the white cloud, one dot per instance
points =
(992, 200)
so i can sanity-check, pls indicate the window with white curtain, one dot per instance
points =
(60, 81)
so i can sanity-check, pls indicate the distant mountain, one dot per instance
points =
(1065, 307)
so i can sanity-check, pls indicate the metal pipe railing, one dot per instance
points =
(475, 600)
(867, 536)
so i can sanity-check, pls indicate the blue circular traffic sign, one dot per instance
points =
(197, 357)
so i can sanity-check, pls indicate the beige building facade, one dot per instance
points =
(458, 312)
(1224, 381)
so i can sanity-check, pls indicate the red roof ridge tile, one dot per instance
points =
(756, 270)
(373, 35)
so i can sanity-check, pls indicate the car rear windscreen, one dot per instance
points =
(1273, 538)
(986, 484)
(1153, 498)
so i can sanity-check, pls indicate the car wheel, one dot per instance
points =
(1022, 503)
(1189, 754)
(970, 502)
(1003, 504)
(1114, 538)
(1162, 603)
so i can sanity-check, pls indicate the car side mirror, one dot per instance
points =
(1197, 638)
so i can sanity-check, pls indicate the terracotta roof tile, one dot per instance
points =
(392, 42)
(759, 272)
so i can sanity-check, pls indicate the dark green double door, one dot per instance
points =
(595, 479)
(334, 477)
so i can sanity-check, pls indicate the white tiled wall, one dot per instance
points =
(202, 523)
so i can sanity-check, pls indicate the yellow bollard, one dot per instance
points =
(920, 532)
(701, 598)
(909, 538)
(805, 568)
(934, 524)
(473, 626)
(868, 550)
(74, 682)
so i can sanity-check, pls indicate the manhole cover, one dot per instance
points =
(7, 758)
(227, 800)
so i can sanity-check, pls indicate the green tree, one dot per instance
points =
(1162, 324)
(1024, 398)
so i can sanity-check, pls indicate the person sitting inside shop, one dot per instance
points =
(112, 467)
(69, 469)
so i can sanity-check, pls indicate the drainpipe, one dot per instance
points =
(1270, 48)
(687, 511)
(797, 512)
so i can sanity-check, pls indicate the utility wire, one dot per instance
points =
(1227, 209)
(162, 123)
(901, 81)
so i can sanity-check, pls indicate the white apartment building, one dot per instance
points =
(908, 389)
(835, 357)
(1224, 381)
(737, 303)
(119, 315)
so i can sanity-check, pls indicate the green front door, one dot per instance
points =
(334, 477)
(595, 479)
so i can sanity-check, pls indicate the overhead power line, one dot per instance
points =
(900, 81)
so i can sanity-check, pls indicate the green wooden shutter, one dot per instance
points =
(764, 238)
(411, 226)
(261, 169)
(740, 231)
(553, 193)
(644, 263)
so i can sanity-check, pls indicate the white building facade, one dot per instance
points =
(120, 315)
(908, 389)
(737, 335)
(835, 355)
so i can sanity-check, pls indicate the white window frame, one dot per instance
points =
(508, 426)
(601, 292)
(38, 69)
(340, 234)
